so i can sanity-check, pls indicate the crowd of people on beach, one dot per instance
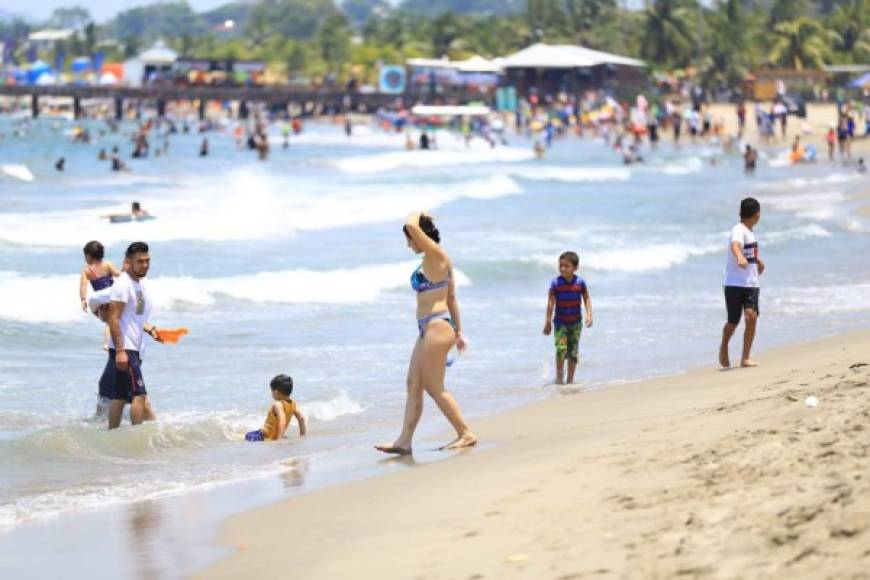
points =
(121, 299)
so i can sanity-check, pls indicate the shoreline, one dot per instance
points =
(643, 479)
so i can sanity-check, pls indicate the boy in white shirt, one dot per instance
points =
(742, 269)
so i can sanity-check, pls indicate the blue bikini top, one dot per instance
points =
(420, 283)
(102, 283)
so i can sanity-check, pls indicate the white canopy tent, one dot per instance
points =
(158, 54)
(50, 35)
(478, 64)
(542, 55)
(442, 62)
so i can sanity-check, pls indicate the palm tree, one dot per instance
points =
(728, 55)
(800, 44)
(669, 38)
(851, 22)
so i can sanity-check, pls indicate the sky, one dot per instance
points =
(101, 10)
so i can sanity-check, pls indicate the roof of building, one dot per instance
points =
(159, 53)
(51, 34)
(542, 55)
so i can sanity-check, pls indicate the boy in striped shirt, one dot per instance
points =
(568, 294)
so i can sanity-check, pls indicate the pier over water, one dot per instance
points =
(309, 100)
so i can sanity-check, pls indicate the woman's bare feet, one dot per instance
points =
(468, 440)
(748, 363)
(724, 361)
(394, 449)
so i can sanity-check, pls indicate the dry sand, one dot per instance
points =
(709, 474)
(818, 119)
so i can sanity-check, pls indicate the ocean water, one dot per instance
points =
(298, 265)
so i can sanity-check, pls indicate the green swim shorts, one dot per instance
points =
(568, 341)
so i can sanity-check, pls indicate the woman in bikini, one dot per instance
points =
(440, 327)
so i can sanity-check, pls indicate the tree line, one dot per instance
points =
(722, 39)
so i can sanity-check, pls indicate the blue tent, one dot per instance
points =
(81, 64)
(861, 81)
(36, 70)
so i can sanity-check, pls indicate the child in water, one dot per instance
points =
(283, 409)
(567, 296)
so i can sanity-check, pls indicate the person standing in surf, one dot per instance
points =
(129, 311)
(440, 328)
(743, 267)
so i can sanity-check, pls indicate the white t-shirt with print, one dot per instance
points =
(734, 274)
(137, 311)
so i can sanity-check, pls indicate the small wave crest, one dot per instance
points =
(571, 174)
(331, 409)
(17, 171)
(38, 299)
(661, 256)
(385, 162)
(247, 204)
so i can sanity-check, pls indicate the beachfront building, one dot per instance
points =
(150, 66)
(554, 68)
(442, 76)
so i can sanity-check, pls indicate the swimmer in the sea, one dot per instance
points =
(136, 213)
(117, 164)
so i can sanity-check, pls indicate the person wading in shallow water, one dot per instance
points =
(440, 327)
(129, 310)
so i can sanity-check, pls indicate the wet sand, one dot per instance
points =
(708, 474)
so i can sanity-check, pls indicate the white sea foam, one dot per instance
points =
(332, 409)
(17, 171)
(386, 162)
(652, 256)
(820, 300)
(362, 137)
(804, 182)
(683, 167)
(104, 493)
(824, 205)
(571, 174)
(42, 299)
(246, 204)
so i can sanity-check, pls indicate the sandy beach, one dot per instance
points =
(708, 474)
(812, 129)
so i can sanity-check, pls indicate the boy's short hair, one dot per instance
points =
(136, 206)
(749, 207)
(571, 257)
(136, 248)
(95, 250)
(282, 384)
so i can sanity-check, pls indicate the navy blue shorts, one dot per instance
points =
(117, 385)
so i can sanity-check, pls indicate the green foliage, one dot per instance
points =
(800, 44)
(333, 39)
(430, 8)
(313, 38)
(290, 18)
(728, 55)
(670, 35)
(163, 19)
(75, 17)
(360, 11)
(850, 22)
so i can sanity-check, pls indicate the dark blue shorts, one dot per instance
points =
(117, 385)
